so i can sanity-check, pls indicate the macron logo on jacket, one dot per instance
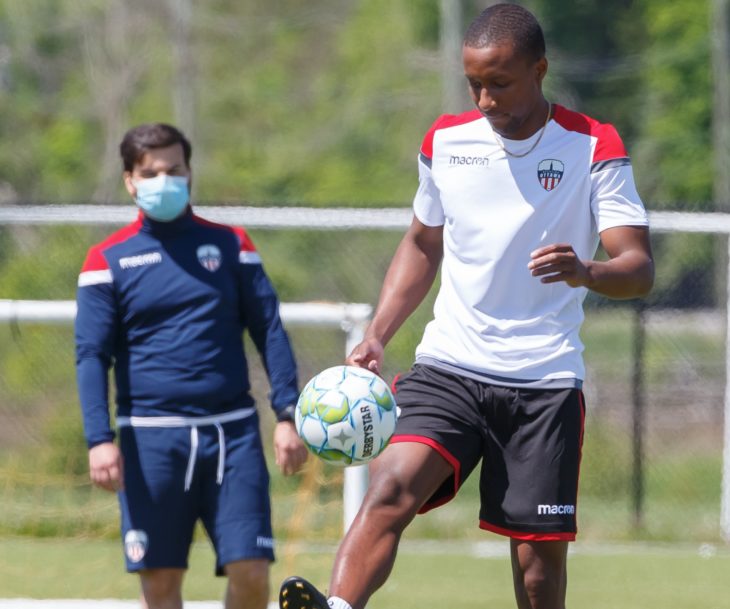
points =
(131, 262)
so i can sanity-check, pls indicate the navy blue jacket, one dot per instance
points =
(167, 304)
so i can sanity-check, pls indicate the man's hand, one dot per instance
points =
(628, 273)
(289, 450)
(106, 466)
(559, 262)
(368, 354)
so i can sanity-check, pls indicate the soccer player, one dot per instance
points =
(166, 300)
(514, 197)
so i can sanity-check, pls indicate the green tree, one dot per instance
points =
(675, 137)
(674, 151)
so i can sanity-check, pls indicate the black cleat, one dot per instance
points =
(297, 593)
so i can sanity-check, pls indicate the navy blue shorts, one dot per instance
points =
(529, 443)
(159, 514)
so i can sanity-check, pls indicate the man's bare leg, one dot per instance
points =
(540, 572)
(248, 584)
(162, 588)
(401, 481)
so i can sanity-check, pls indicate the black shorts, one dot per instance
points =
(529, 441)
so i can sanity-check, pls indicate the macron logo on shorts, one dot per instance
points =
(544, 509)
(265, 542)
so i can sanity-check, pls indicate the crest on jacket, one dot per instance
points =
(210, 257)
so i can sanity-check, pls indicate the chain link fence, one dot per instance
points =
(652, 458)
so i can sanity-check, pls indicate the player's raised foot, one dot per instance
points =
(297, 593)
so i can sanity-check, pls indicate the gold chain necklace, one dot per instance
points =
(537, 141)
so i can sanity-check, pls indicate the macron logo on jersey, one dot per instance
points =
(131, 262)
(479, 161)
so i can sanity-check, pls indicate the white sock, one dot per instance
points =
(335, 602)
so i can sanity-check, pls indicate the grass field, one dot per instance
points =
(58, 536)
(427, 574)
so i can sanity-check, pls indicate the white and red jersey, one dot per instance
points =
(492, 318)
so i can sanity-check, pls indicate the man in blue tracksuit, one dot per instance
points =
(165, 301)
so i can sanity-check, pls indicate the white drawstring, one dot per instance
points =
(193, 456)
(221, 454)
(193, 423)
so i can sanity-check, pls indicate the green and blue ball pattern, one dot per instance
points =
(346, 415)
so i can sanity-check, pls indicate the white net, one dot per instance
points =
(655, 386)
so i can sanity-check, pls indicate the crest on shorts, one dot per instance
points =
(210, 257)
(549, 173)
(135, 544)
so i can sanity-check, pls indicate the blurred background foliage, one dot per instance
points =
(323, 102)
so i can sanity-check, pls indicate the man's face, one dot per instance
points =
(169, 161)
(506, 88)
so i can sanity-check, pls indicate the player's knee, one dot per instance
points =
(248, 578)
(390, 497)
(162, 588)
(538, 584)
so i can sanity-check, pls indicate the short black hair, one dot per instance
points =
(507, 23)
(138, 140)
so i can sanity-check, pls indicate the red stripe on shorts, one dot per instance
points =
(453, 461)
(393, 388)
(526, 536)
(582, 406)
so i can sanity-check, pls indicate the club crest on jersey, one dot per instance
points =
(135, 544)
(210, 257)
(549, 173)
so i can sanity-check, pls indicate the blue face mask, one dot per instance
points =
(163, 197)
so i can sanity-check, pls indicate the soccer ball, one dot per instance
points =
(346, 415)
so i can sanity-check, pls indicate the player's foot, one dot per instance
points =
(297, 593)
